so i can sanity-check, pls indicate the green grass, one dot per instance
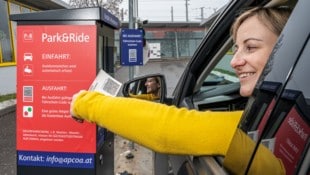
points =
(7, 97)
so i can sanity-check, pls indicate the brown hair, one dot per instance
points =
(274, 18)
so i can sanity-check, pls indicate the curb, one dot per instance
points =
(7, 107)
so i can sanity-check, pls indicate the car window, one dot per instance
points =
(219, 86)
(280, 112)
(274, 76)
(222, 73)
(290, 133)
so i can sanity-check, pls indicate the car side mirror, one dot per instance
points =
(149, 87)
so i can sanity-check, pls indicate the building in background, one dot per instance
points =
(176, 40)
(8, 35)
(165, 40)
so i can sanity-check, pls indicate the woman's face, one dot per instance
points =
(253, 45)
(151, 85)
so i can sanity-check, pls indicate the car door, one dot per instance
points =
(285, 126)
(288, 128)
(208, 84)
(278, 113)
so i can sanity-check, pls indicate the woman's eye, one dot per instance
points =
(250, 48)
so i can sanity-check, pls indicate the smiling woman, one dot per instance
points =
(255, 33)
(253, 48)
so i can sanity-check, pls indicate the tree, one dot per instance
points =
(111, 5)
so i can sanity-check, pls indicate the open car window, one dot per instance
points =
(218, 91)
(289, 135)
(215, 87)
(277, 116)
(218, 86)
(222, 73)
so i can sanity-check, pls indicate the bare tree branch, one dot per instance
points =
(111, 5)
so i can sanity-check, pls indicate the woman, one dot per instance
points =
(255, 33)
(152, 85)
(172, 130)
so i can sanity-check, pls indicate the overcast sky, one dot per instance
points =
(160, 10)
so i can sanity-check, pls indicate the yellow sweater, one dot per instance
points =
(168, 129)
(150, 97)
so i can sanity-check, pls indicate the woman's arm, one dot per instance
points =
(162, 128)
(149, 97)
(240, 152)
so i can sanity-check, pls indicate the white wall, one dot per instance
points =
(7, 80)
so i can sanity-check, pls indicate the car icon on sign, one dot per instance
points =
(27, 56)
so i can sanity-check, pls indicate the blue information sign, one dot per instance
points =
(55, 159)
(131, 47)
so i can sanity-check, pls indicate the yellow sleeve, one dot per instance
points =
(162, 128)
(239, 154)
(149, 97)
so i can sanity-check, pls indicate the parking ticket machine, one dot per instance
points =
(59, 52)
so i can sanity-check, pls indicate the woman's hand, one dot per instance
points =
(73, 115)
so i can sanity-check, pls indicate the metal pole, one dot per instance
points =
(136, 26)
(201, 13)
(176, 44)
(130, 26)
(171, 13)
(186, 8)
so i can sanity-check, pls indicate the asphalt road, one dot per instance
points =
(7, 142)
(142, 161)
